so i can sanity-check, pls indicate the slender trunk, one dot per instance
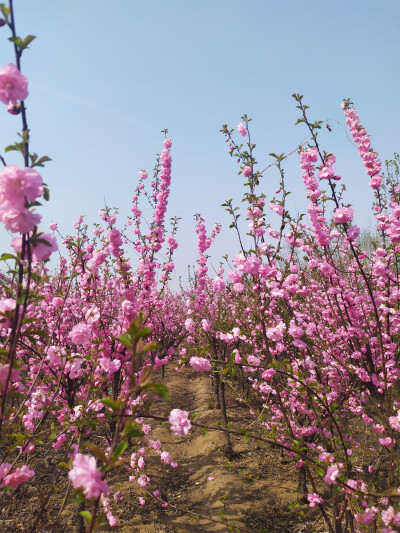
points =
(336, 514)
(221, 394)
(302, 485)
(79, 520)
(216, 391)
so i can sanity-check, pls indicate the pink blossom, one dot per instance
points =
(314, 499)
(41, 251)
(265, 388)
(246, 171)
(27, 449)
(180, 424)
(18, 476)
(128, 309)
(53, 226)
(242, 129)
(331, 475)
(13, 84)
(200, 364)
(80, 334)
(167, 143)
(394, 421)
(276, 334)
(143, 480)
(19, 220)
(85, 474)
(353, 232)
(189, 325)
(57, 301)
(59, 441)
(14, 109)
(238, 287)
(143, 175)
(218, 284)
(343, 215)
(6, 305)
(388, 442)
(205, 324)
(375, 182)
(369, 516)
(17, 183)
(267, 375)
(387, 515)
(114, 238)
(4, 369)
(252, 265)
(278, 209)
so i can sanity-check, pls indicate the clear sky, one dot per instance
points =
(106, 76)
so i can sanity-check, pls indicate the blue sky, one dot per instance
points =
(105, 77)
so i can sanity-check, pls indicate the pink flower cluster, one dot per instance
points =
(40, 250)
(180, 424)
(18, 476)
(80, 334)
(314, 499)
(200, 364)
(327, 172)
(242, 129)
(85, 474)
(360, 136)
(343, 215)
(13, 84)
(16, 186)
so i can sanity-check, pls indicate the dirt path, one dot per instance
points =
(253, 492)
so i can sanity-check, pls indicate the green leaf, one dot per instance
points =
(5, 10)
(97, 452)
(119, 450)
(11, 147)
(112, 404)
(46, 194)
(5, 257)
(86, 515)
(150, 346)
(16, 40)
(126, 340)
(39, 162)
(131, 429)
(158, 388)
(26, 42)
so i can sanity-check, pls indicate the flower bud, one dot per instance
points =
(14, 109)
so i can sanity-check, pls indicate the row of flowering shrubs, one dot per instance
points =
(306, 320)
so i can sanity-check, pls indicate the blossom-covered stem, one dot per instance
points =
(18, 318)
(18, 53)
(25, 248)
(311, 128)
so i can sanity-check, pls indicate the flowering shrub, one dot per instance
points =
(305, 321)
